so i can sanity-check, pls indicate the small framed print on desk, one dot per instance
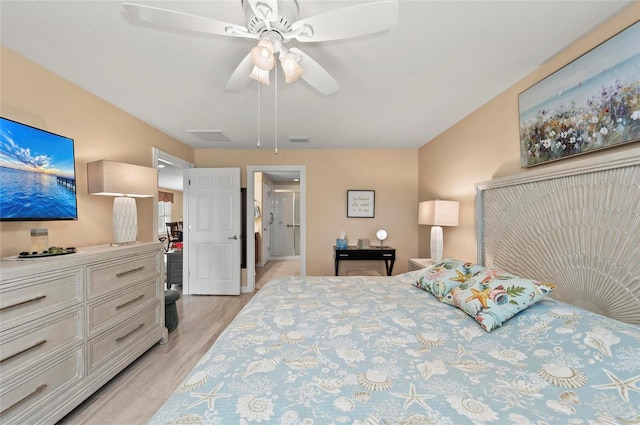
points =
(361, 203)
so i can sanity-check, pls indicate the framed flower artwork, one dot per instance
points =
(590, 104)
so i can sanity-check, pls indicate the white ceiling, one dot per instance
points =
(399, 88)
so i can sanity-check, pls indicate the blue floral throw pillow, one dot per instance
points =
(496, 296)
(440, 278)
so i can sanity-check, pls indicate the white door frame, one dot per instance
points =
(251, 244)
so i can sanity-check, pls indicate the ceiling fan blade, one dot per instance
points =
(185, 21)
(240, 77)
(316, 75)
(347, 22)
(259, 7)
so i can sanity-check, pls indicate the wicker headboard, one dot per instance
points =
(576, 225)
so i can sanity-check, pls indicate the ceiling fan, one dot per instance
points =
(275, 23)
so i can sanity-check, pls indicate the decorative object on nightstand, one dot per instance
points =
(363, 244)
(420, 263)
(381, 235)
(125, 182)
(438, 213)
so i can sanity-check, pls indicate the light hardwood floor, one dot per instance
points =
(275, 268)
(134, 395)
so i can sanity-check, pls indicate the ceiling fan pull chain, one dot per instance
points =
(259, 145)
(276, 109)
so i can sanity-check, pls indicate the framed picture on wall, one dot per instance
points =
(588, 105)
(361, 203)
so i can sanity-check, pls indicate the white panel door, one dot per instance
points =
(212, 234)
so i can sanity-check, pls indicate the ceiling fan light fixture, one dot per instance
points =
(260, 75)
(292, 69)
(262, 55)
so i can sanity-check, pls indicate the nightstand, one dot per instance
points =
(419, 263)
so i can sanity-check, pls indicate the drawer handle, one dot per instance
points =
(23, 399)
(38, 298)
(343, 255)
(137, 269)
(387, 255)
(131, 332)
(138, 298)
(37, 344)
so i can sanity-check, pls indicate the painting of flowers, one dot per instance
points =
(590, 104)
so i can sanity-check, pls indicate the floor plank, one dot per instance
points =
(136, 393)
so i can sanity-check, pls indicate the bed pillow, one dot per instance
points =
(496, 296)
(440, 278)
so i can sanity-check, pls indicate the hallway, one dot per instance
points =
(276, 268)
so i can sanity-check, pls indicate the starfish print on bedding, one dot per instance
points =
(461, 277)
(412, 397)
(463, 351)
(315, 348)
(210, 398)
(623, 387)
(481, 296)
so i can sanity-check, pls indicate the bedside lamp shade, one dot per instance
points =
(438, 213)
(125, 182)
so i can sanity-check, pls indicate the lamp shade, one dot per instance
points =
(119, 179)
(260, 75)
(262, 55)
(438, 213)
(292, 70)
(124, 181)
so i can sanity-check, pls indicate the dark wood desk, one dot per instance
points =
(380, 253)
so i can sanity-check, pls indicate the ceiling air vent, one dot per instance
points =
(210, 135)
(296, 139)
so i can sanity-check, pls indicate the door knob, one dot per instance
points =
(233, 237)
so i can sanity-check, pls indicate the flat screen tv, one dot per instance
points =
(37, 174)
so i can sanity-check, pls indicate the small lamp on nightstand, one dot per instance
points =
(438, 213)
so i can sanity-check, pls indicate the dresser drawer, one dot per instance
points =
(108, 312)
(43, 294)
(107, 347)
(26, 396)
(30, 345)
(115, 275)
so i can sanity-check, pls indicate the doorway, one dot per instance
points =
(170, 176)
(285, 230)
(298, 220)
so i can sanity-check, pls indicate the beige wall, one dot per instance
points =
(485, 145)
(34, 96)
(392, 174)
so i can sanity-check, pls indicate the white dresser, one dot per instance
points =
(70, 323)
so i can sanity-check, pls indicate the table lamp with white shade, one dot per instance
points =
(438, 213)
(125, 182)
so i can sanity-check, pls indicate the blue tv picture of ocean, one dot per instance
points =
(37, 174)
(27, 194)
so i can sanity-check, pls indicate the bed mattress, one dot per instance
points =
(378, 350)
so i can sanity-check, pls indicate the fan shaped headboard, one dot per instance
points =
(576, 225)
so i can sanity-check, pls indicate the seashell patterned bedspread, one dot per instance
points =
(377, 350)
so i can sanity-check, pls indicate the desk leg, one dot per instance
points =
(389, 266)
(336, 265)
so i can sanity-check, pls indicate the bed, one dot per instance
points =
(430, 346)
